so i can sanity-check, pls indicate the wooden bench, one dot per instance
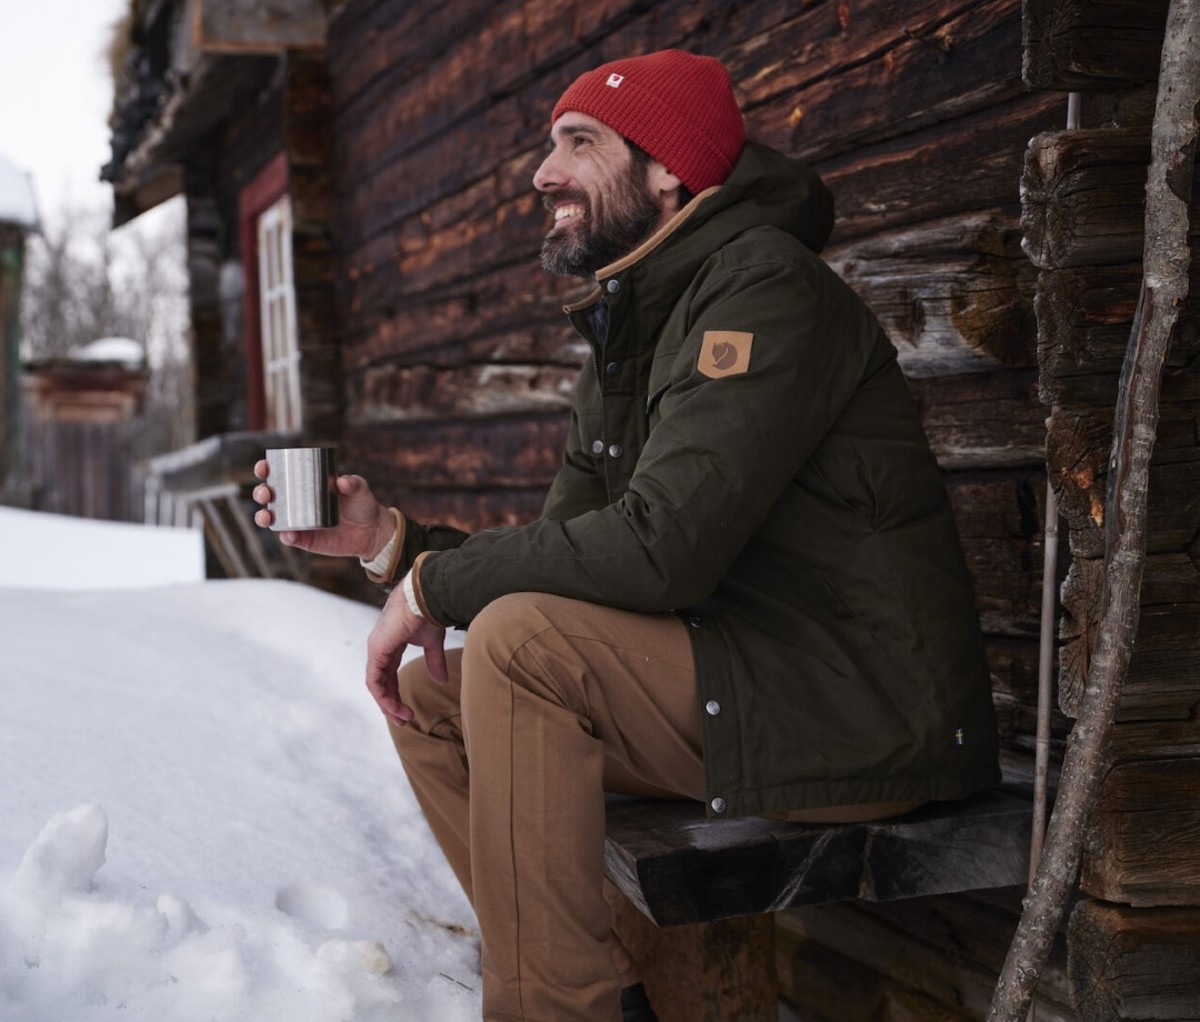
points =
(699, 894)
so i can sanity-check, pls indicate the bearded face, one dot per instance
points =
(598, 226)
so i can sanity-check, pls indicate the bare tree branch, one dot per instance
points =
(1164, 288)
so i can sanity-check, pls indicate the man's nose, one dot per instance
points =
(548, 175)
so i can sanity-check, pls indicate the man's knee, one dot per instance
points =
(511, 643)
(505, 625)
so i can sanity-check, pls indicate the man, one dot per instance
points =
(745, 587)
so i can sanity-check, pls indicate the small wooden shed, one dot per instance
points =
(79, 422)
(430, 346)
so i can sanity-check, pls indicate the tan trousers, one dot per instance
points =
(551, 703)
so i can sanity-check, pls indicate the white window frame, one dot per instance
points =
(277, 318)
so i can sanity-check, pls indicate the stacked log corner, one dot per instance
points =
(1134, 940)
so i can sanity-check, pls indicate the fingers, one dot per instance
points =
(349, 485)
(435, 663)
(384, 689)
(261, 468)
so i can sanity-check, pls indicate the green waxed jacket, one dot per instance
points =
(743, 450)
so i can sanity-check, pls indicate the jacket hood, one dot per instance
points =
(765, 188)
(768, 188)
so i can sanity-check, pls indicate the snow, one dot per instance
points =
(17, 204)
(46, 551)
(111, 349)
(203, 817)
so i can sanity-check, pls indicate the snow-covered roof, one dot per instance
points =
(17, 204)
(110, 349)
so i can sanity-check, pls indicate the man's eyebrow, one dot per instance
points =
(562, 129)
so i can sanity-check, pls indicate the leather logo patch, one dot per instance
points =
(724, 353)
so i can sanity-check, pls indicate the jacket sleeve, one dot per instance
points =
(719, 453)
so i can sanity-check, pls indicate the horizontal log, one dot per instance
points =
(1013, 671)
(946, 949)
(1076, 45)
(999, 517)
(1134, 963)
(410, 456)
(972, 163)
(1165, 661)
(1144, 834)
(1085, 317)
(1077, 449)
(395, 394)
(821, 984)
(802, 82)
(1083, 197)
(983, 420)
(269, 26)
(955, 295)
(704, 972)
(1155, 739)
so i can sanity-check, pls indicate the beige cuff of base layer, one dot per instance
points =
(382, 569)
(417, 598)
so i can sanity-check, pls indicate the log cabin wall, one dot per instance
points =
(1134, 943)
(458, 364)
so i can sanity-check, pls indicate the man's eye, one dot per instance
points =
(579, 140)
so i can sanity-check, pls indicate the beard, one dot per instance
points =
(625, 217)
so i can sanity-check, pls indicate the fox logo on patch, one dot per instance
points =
(615, 80)
(724, 353)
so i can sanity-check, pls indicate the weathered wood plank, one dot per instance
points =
(1077, 449)
(267, 26)
(1144, 834)
(1075, 45)
(723, 971)
(904, 181)
(1160, 683)
(999, 520)
(391, 393)
(801, 84)
(955, 295)
(678, 867)
(1084, 195)
(1084, 322)
(938, 955)
(1129, 964)
(521, 452)
(983, 420)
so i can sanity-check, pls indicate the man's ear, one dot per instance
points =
(663, 184)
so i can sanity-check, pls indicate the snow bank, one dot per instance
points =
(204, 818)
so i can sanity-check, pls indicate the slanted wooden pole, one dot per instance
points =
(1164, 287)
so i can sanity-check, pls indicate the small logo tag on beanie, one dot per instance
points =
(615, 80)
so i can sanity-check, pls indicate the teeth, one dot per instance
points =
(562, 212)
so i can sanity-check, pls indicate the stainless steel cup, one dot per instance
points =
(302, 479)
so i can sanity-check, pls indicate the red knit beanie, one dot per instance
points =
(678, 107)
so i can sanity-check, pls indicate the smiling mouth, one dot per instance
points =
(566, 213)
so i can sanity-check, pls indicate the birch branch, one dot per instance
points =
(1164, 288)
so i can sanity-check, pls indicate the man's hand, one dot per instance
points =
(363, 529)
(397, 628)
